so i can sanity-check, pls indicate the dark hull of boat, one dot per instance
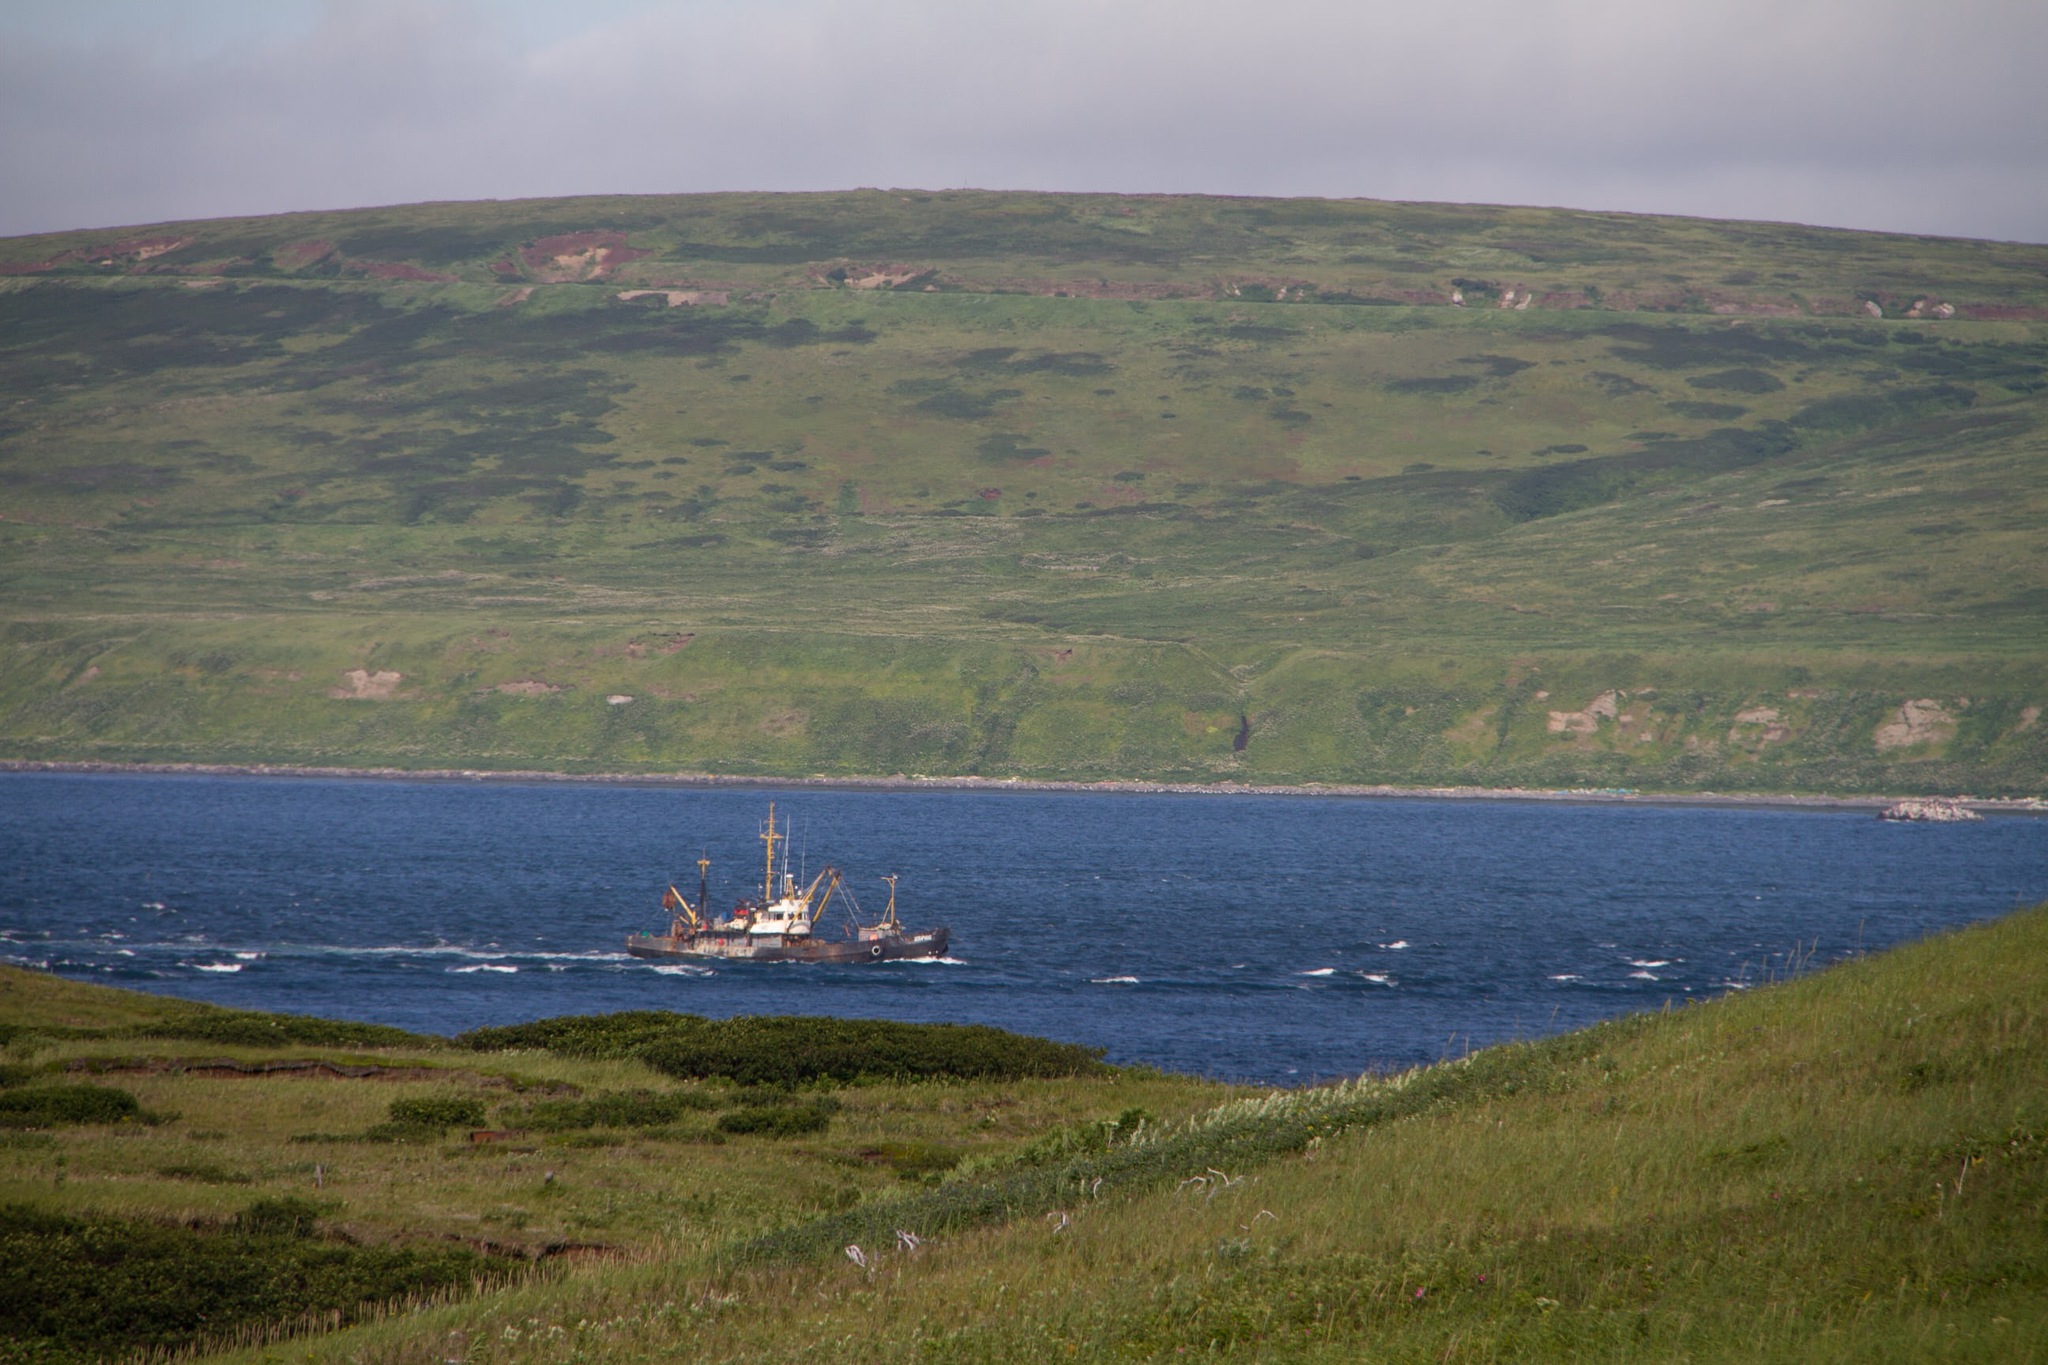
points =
(733, 948)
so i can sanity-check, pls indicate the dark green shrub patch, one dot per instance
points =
(251, 1028)
(82, 1289)
(438, 1111)
(204, 1173)
(582, 1035)
(778, 1120)
(48, 1106)
(281, 1217)
(793, 1050)
(615, 1109)
(796, 1050)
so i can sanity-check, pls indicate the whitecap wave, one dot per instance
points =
(1653, 962)
(928, 961)
(249, 957)
(213, 966)
(1644, 976)
(1566, 976)
(1318, 971)
(1396, 946)
(1378, 978)
(1112, 980)
(682, 969)
(484, 967)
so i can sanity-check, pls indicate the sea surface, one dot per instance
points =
(1274, 939)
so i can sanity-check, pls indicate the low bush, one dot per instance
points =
(280, 1217)
(791, 1050)
(788, 1050)
(48, 1106)
(582, 1035)
(251, 1028)
(614, 1109)
(777, 1120)
(438, 1112)
(77, 1290)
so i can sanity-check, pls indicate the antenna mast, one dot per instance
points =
(769, 838)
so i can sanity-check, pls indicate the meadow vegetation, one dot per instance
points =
(1072, 487)
(1851, 1165)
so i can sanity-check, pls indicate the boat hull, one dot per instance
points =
(714, 947)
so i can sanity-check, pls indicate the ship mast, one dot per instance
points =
(769, 838)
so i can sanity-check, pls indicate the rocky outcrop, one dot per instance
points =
(1937, 810)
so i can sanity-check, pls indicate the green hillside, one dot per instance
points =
(1030, 485)
(1844, 1167)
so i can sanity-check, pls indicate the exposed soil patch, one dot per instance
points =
(527, 687)
(883, 276)
(578, 256)
(360, 684)
(129, 251)
(1773, 730)
(677, 298)
(1916, 722)
(1606, 706)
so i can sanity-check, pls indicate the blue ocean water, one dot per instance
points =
(1263, 938)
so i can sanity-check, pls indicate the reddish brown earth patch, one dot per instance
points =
(579, 255)
(680, 641)
(130, 250)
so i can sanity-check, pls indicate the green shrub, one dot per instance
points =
(582, 1035)
(78, 1290)
(776, 1120)
(793, 1050)
(281, 1217)
(790, 1050)
(438, 1112)
(204, 1173)
(250, 1028)
(614, 1109)
(47, 1106)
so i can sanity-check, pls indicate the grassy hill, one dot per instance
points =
(1848, 1166)
(1040, 485)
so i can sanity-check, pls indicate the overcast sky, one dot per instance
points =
(1907, 115)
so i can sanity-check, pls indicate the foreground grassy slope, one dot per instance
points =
(1054, 486)
(1849, 1166)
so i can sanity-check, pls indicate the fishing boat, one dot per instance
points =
(782, 924)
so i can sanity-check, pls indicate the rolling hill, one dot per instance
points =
(1053, 486)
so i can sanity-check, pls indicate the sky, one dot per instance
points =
(1926, 116)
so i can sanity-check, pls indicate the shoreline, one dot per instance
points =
(903, 782)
